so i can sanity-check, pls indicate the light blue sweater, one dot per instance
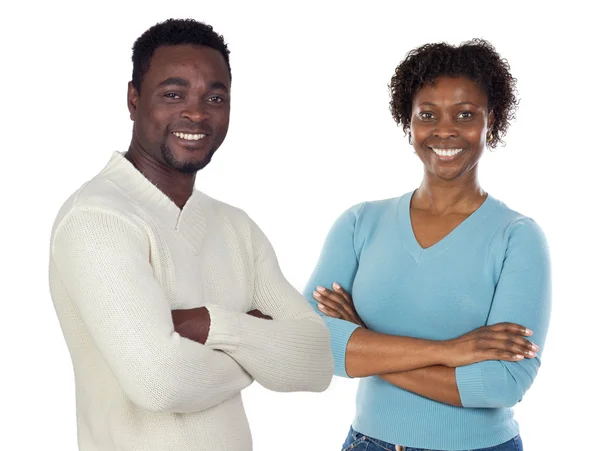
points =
(494, 267)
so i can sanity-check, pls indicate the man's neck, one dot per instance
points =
(176, 185)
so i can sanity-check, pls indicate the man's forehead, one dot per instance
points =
(188, 54)
(169, 61)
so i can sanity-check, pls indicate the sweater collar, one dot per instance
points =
(124, 174)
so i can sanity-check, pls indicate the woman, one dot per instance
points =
(443, 283)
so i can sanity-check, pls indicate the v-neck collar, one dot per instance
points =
(190, 221)
(463, 230)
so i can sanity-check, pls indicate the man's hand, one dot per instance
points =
(258, 314)
(193, 324)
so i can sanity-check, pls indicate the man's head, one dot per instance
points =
(179, 96)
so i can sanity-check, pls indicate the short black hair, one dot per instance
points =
(173, 32)
(477, 60)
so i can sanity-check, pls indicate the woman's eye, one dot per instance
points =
(465, 115)
(426, 115)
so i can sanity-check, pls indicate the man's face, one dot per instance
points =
(181, 115)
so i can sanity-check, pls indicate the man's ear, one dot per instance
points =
(132, 100)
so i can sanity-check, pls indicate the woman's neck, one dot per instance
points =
(439, 197)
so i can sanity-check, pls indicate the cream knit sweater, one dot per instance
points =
(123, 255)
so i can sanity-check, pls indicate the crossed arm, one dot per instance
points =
(522, 296)
(291, 352)
(492, 366)
(100, 259)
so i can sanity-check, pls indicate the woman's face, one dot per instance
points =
(449, 125)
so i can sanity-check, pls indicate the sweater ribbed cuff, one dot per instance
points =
(340, 332)
(224, 332)
(469, 381)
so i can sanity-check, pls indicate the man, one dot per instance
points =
(172, 302)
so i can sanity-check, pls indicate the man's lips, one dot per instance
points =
(190, 136)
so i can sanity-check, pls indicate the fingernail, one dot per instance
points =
(320, 306)
(518, 356)
(316, 294)
(531, 353)
(528, 331)
(336, 286)
(535, 347)
(321, 289)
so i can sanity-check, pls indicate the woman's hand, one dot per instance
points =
(337, 303)
(502, 341)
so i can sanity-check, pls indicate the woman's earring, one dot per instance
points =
(410, 138)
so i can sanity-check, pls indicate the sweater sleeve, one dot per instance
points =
(338, 262)
(522, 296)
(102, 259)
(286, 354)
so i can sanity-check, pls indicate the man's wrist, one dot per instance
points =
(225, 328)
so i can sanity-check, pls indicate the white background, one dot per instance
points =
(310, 135)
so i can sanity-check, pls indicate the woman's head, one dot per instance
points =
(453, 100)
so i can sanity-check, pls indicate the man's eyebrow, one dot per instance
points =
(174, 81)
(177, 81)
(218, 85)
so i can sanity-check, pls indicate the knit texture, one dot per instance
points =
(493, 267)
(123, 255)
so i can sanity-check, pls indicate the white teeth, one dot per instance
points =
(189, 136)
(446, 153)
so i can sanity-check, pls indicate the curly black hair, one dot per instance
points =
(173, 32)
(476, 59)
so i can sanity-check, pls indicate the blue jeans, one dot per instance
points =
(360, 442)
